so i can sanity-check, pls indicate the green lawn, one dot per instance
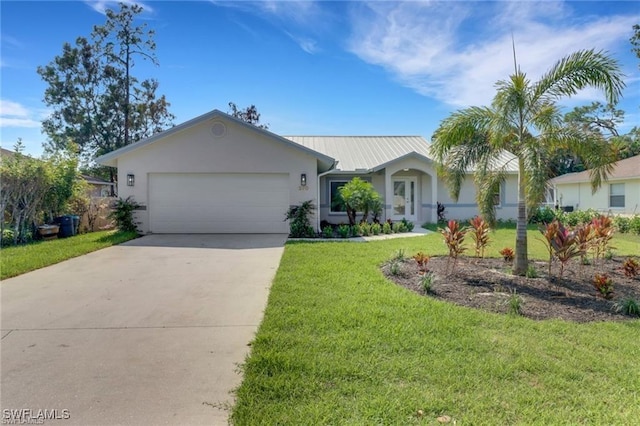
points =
(340, 344)
(18, 260)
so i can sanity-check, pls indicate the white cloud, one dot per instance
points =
(455, 51)
(13, 114)
(101, 6)
(292, 17)
(309, 45)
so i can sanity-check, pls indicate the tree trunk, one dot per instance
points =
(112, 179)
(522, 258)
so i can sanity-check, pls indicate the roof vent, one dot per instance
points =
(218, 129)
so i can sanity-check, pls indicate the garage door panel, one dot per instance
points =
(218, 203)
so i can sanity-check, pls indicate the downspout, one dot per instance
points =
(331, 169)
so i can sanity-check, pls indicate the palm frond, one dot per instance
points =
(459, 143)
(584, 68)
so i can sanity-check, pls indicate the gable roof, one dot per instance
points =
(365, 153)
(95, 180)
(373, 153)
(110, 159)
(629, 168)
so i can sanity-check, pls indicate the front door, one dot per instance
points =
(404, 199)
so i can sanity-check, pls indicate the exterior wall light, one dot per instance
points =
(303, 179)
(131, 180)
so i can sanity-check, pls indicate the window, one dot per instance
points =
(334, 196)
(496, 196)
(616, 195)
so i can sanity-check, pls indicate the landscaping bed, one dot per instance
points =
(488, 284)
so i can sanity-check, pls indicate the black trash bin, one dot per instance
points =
(66, 226)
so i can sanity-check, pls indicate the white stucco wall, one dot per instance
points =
(196, 150)
(466, 207)
(580, 197)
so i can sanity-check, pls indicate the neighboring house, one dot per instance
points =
(98, 187)
(619, 194)
(218, 174)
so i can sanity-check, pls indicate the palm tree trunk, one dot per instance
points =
(522, 259)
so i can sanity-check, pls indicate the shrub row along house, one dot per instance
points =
(218, 174)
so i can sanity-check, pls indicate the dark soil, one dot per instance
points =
(489, 285)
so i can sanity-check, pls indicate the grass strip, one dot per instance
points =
(21, 259)
(340, 344)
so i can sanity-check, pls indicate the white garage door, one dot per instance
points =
(218, 203)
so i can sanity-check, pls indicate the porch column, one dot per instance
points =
(388, 195)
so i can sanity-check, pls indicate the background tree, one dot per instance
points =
(598, 120)
(524, 120)
(635, 41)
(97, 102)
(249, 115)
(35, 190)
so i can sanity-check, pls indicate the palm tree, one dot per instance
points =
(525, 121)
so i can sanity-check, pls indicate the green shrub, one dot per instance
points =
(543, 215)
(122, 214)
(354, 231)
(300, 220)
(628, 306)
(634, 225)
(7, 237)
(531, 272)
(394, 267)
(515, 303)
(399, 227)
(399, 255)
(408, 225)
(365, 229)
(327, 232)
(386, 228)
(344, 231)
(622, 224)
(426, 282)
(376, 229)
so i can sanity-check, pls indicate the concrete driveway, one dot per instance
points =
(148, 332)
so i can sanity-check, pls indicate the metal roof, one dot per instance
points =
(629, 168)
(371, 153)
(360, 153)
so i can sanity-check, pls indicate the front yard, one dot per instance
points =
(341, 344)
(21, 259)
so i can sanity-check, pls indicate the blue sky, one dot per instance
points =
(322, 68)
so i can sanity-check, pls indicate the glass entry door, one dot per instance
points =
(404, 199)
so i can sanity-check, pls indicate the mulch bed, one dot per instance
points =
(488, 284)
